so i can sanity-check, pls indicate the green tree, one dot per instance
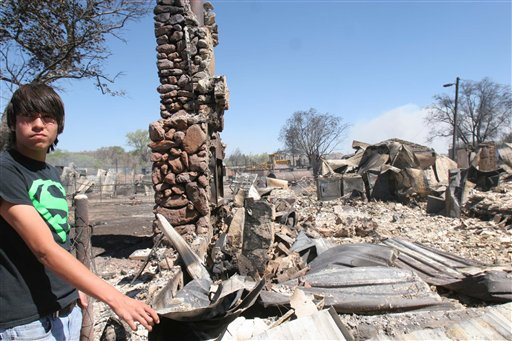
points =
(139, 140)
(47, 40)
(59, 158)
(313, 134)
(111, 157)
(484, 112)
(80, 159)
(259, 159)
(239, 159)
(236, 158)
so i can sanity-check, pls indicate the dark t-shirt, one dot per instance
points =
(29, 291)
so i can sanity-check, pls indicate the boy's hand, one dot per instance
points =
(83, 300)
(132, 311)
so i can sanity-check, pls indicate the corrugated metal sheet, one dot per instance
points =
(494, 324)
(434, 266)
(360, 290)
(467, 277)
(324, 325)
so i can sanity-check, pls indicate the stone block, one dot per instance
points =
(178, 216)
(156, 131)
(198, 197)
(194, 138)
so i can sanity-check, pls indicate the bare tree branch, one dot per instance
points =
(49, 40)
(312, 134)
(484, 112)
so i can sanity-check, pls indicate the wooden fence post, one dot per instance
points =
(84, 255)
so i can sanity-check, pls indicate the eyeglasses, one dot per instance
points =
(45, 118)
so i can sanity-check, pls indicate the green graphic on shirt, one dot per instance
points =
(49, 199)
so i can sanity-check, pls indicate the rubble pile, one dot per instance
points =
(495, 205)
(397, 170)
(363, 250)
(389, 230)
(394, 228)
(354, 221)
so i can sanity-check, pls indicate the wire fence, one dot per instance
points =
(96, 189)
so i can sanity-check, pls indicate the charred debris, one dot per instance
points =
(392, 242)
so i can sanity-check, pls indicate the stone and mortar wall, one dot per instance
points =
(185, 140)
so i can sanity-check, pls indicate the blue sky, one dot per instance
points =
(377, 64)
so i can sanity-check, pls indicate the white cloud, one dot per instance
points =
(406, 122)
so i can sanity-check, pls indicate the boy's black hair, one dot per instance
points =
(31, 99)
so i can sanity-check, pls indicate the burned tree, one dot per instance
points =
(313, 134)
(47, 40)
(484, 112)
(507, 137)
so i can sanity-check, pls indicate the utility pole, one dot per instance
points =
(455, 127)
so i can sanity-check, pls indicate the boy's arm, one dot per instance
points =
(34, 231)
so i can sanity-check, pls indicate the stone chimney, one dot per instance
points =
(187, 151)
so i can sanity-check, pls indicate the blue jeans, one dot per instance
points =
(64, 328)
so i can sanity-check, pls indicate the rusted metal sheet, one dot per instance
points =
(359, 145)
(404, 157)
(342, 165)
(353, 184)
(391, 170)
(431, 178)
(486, 156)
(373, 158)
(381, 185)
(484, 180)
(426, 159)
(329, 188)
(442, 166)
(411, 181)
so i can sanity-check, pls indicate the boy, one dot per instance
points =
(38, 275)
